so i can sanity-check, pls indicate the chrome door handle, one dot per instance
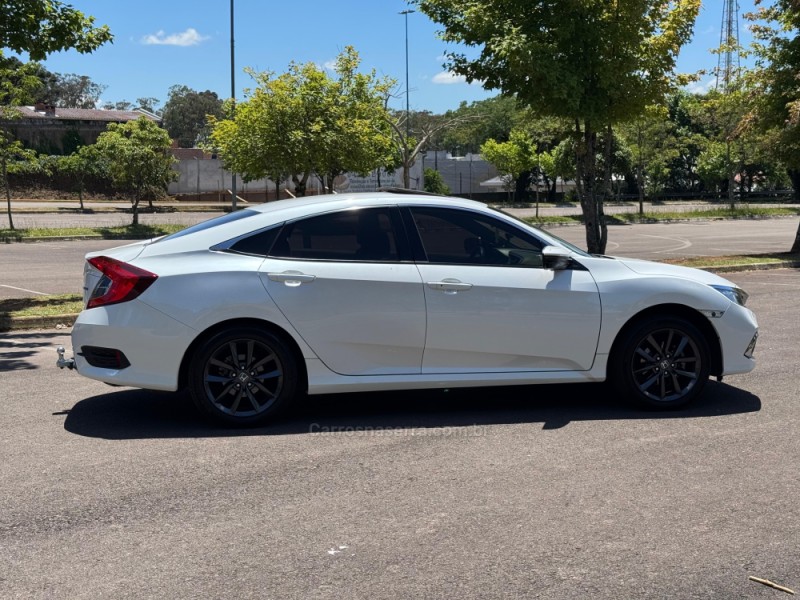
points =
(291, 278)
(449, 286)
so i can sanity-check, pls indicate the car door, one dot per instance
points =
(492, 306)
(346, 282)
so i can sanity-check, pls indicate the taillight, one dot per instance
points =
(120, 282)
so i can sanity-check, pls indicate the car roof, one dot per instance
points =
(330, 202)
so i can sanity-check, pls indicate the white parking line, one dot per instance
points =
(24, 290)
(683, 243)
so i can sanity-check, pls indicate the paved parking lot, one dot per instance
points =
(540, 492)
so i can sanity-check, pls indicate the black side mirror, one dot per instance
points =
(556, 258)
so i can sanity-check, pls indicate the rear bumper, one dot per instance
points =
(153, 343)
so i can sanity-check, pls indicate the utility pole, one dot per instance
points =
(233, 98)
(405, 13)
(728, 69)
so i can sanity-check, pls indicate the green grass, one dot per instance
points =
(129, 232)
(656, 217)
(731, 260)
(41, 306)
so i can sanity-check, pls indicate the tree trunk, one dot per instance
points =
(794, 176)
(300, 184)
(586, 183)
(8, 195)
(80, 196)
(135, 206)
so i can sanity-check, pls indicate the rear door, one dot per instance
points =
(346, 282)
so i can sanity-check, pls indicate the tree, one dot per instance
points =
(149, 103)
(304, 122)
(434, 182)
(593, 63)
(73, 91)
(510, 158)
(138, 159)
(40, 27)
(81, 164)
(120, 105)
(775, 83)
(185, 114)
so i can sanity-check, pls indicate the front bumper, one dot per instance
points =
(737, 329)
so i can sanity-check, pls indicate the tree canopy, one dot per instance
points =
(40, 27)
(136, 155)
(592, 63)
(185, 114)
(306, 122)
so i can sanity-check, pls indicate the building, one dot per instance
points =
(52, 130)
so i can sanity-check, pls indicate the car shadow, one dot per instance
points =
(141, 414)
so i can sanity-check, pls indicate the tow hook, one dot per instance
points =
(62, 363)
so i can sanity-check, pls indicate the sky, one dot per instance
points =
(158, 44)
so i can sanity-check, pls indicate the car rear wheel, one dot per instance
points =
(242, 376)
(662, 363)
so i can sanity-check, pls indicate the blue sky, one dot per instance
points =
(159, 44)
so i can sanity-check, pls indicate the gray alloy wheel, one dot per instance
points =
(664, 363)
(242, 376)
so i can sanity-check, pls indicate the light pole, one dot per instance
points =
(233, 98)
(405, 14)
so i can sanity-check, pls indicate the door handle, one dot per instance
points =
(449, 286)
(291, 278)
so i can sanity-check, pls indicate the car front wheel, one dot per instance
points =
(242, 376)
(662, 363)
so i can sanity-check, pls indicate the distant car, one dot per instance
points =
(388, 291)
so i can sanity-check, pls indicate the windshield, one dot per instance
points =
(564, 243)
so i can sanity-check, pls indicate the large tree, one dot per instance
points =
(305, 122)
(186, 112)
(40, 27)
(593, 62)
(137, 158)
(777, 87)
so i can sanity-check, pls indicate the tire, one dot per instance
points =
(661, 363)
(242, 377)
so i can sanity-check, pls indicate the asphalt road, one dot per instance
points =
(541, 492)
(57, 267)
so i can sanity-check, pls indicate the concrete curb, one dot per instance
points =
(36, 322)
(784, 264)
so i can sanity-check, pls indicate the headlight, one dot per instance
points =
(734, 294)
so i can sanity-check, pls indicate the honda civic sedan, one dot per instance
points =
(389, 291)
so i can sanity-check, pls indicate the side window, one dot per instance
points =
(358, 235)
(455, 236)
(257, 244)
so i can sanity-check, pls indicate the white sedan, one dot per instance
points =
(389, 291)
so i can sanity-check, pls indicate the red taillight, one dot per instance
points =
(120, 282)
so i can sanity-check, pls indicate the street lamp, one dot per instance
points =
(405, 13)
(233, 99)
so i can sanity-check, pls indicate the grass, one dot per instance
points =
(731, 260)
(656, 217)
(128, 232)
(41, 306)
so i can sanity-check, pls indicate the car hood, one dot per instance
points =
(646, 267)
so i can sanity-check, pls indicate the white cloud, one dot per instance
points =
(330, 64)
(701, 87)
(448, 78)
(190, 37)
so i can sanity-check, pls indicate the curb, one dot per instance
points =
(784, 264)
(49, 322)
(71, 238)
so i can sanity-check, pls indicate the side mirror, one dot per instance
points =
(556, 258)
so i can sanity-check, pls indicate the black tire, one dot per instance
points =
(242, 376)
(661, 363)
